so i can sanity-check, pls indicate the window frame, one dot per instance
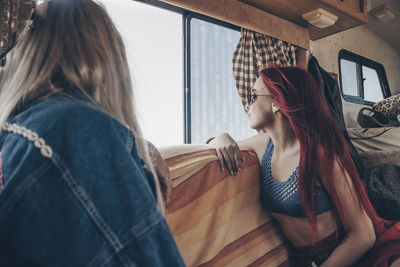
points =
(361, 61)
(187, 63)
(163, 5)
(187, 16)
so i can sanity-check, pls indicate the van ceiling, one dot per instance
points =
(389, 30)
(290, 10)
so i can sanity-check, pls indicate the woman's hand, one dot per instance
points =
(228, 153)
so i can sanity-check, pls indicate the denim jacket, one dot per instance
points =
(75, 192)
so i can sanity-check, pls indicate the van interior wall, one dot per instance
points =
(363, 42)
(249, 17)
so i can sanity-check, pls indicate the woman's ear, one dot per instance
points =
(274, 108)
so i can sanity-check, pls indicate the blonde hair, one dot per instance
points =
(72, 43)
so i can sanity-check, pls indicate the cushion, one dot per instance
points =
(217, 219)
(387, 106)
(373, 158)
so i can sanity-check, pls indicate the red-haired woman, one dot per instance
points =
(308, 180)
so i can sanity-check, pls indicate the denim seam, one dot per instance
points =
(79, 193)
(23, 187)
(100, 262)
(87, 205)
(130, 141)
(93, 213)
(146, 224)
(109, 256)
(139, 229)
(112, 238)
(125, 259)
(90, 208)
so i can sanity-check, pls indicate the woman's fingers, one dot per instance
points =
(228, 153)
(220, 159)
(238, 158)
(229, 160)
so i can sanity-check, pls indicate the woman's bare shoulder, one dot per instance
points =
(257, 143)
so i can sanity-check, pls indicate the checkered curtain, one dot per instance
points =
(254, 52)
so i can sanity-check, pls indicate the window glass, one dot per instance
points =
(372, 86)
(349, 77)
(154, 43)
(215, 104)
(363, 80)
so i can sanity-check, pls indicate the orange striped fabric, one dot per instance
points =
(217, 219)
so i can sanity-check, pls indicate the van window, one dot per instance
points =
(362, 80)
(349, 76)
(371, 83)
(154, 44)
(215, 104)
(181, 65)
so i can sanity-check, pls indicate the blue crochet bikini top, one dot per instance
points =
(283, 197)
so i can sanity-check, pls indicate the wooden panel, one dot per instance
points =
(246, 16)
(349, 7)
(287, 9)
(302, 58)
(292, 9)
(354, 5)
(348, 12)
(342, 24)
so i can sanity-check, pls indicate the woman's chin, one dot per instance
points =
(254, 123)
(254, 126)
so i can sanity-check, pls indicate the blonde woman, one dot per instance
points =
(73, 189)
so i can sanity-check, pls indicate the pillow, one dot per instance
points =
(217, 219)
(387, 106)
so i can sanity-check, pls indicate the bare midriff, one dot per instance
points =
(298, 231)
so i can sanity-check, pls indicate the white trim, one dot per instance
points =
(32, 136)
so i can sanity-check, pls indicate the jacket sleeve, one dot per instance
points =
(88, 204)
(114, 179)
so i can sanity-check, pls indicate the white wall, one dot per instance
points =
(363, 42)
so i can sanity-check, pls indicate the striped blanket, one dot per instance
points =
(217, 219)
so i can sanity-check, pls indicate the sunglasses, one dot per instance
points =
(252, 96)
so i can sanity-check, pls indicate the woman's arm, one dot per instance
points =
(228, 150)
(360, 231)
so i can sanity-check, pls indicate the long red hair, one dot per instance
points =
(300, 99)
